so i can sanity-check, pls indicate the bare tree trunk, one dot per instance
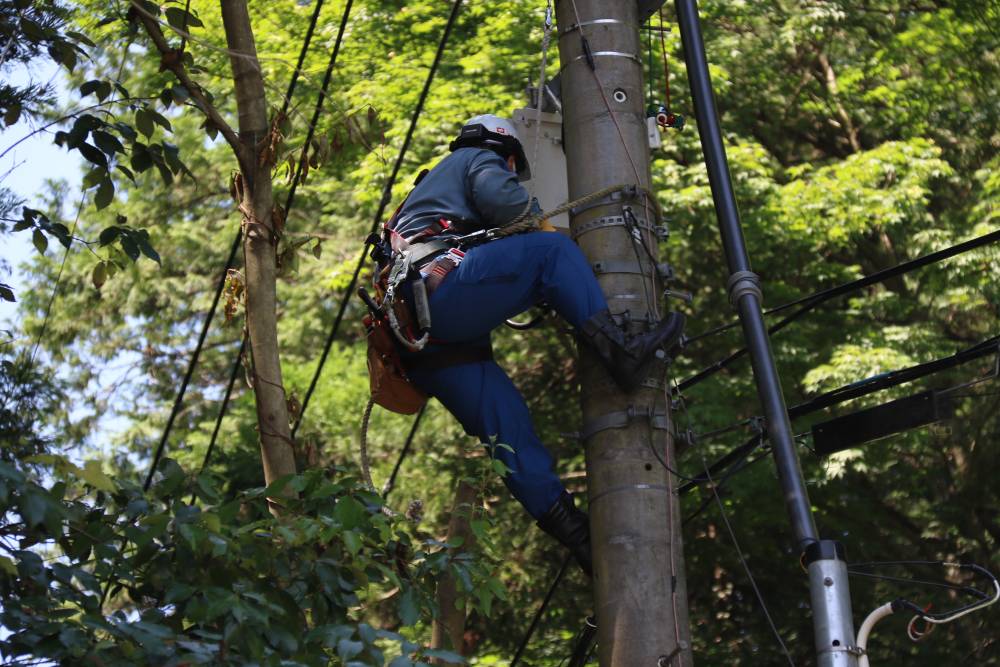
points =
(449, 627)
(260, 237)
(254, 153)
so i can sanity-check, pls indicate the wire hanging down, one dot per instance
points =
(922, 614)
(386, 196)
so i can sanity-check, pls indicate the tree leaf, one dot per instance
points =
(409, 610)
(93, 155)
(107, 142)
(13, 114)
(90, 87)
(8, 566)
(41, 243)
(99, 275)
(181, 19)
(6, 293)
(347, 649)
(105, 194)
(147, 249)
(160, 120)
(108, 235)
(130, 247)
(143, 123)
(93, 474)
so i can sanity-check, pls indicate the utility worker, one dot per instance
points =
(476, 187)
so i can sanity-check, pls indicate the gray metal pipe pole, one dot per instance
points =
(832, 623)
(744, 286)
(639, 585)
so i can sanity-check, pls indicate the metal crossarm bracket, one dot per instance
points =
(623, 418)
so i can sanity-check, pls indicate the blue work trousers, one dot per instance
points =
(497, 281)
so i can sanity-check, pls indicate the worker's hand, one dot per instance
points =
(546, 226)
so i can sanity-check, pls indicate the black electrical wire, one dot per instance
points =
(921, 582)
(233, 374)
(541, 610)
(327, 76)
(857, 390)
(386, 196)
(178, 401)
(302, 57)
(391, 483)
(582, 647)
(811, 301)
(746, 566)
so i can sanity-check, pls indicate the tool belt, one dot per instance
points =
(399, 315)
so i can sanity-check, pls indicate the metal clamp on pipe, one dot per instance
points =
(623, 418)
(741, 283)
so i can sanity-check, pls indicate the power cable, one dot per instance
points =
(179, 400)
(386, 196)
(391, 482)
(237, 242)
(58, 284)
(857, 390)
(746, 566)
(233, 374)
(541, 610)
(321, 98)
(811, 301)
(735, 541)
(302, 57)
(583, 644)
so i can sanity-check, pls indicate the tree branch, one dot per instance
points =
(170, 59)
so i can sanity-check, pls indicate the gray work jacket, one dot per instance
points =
(471, 188)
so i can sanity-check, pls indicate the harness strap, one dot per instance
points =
(464, 354)
(426, 251)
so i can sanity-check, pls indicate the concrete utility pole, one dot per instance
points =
(639, 585)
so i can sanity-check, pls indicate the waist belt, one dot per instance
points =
(423, 252)
(464, 354)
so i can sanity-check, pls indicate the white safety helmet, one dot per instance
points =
(498, 133)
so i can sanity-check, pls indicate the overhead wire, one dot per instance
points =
(58, 283)
(735, 541)
(540, 611)
(859, 389)
(810, 302)
(386, 196)
(390, 483)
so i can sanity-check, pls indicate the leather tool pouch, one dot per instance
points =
(390, 387)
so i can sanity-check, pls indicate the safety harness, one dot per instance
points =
(407, 271)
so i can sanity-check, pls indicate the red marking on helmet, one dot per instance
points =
(500, 130)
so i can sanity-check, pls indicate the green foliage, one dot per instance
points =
(217, 581)
(860, 134)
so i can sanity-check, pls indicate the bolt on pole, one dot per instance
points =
(831, 606)
(639, 586)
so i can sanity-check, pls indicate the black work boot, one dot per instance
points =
(571, 527)
(626, 357)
